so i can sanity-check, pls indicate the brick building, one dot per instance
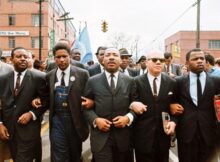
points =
(19, 25)
(183, 41)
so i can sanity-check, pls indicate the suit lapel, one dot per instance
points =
(163, 87)
(119, 83)
(73, 76)
(105, 82)
(11, 82)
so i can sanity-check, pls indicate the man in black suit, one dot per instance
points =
(110, 118)
(196, 129)
(98, 67)
(170, 68)
(151, 134)
(125, 63)
(68, 128)
(19, 121)
(143, 66)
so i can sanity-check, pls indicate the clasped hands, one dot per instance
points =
(105, 125)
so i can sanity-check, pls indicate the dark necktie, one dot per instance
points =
(168, 68)
(199, 89)
(112, 83)
(62, 79)
(17, 84)
(155, 87)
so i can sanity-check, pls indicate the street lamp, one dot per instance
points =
(198, 25)
(65, 19)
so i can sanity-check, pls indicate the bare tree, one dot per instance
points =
(131, 43)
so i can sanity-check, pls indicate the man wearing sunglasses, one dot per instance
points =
(155, 89)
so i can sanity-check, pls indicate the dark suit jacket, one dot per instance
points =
(108, 106)
(52, 65)
(193, 115)
(76, 87)
(32, 86)
(132, 72)
(94, 69)
(149, 125)
(176, 69)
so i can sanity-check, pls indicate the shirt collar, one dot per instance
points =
(191, 74)
(22, 73)
(66, 71)
(108, 75)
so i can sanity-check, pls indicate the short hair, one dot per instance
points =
(61, 46)
(17, 48)
(209, 58)
(217, 61)
(193, 50)
(100, 48)
(168, 55)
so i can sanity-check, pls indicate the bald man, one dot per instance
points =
(154, 89)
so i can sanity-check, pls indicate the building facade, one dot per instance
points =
(20, 26)
(183, 41)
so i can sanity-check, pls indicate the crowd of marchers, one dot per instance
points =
(131, 112)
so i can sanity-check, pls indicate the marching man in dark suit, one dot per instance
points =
(154, 89)
(68, 128)
(110, 118)
(19, 121)
(196, 129)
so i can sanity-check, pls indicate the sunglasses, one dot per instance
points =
(157, 59)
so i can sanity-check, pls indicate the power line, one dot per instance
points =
(180, 16)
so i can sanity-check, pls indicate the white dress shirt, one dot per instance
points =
(151, 80)
(193, 85)
(21, 77)
(66, 76)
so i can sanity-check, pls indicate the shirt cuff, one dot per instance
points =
(94, 124)
(33, 116)
(131, 118)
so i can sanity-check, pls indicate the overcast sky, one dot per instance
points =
(144, 18)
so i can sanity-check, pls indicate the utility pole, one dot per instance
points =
(65, 19)
(40, 27)
(198, 25)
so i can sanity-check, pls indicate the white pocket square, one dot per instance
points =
(170, 93)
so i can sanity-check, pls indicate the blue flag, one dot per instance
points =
(83, 44)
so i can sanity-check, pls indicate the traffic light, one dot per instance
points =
(104, 26)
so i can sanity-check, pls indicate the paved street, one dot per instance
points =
(86, 147)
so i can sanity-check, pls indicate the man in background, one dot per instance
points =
(171, 69)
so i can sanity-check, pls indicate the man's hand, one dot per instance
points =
(170, 128)
(25, 118)
(138, 107)
(176, 109)
(87, 103)
(4, 132)
(171, 75)
(120, 121)
(103, 124)
(36, 103)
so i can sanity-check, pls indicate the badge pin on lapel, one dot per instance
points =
(72, 78)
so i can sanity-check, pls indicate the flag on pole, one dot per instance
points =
(83, 44)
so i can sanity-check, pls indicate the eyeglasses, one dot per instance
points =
(157, 59)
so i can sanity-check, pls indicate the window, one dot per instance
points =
(214, 44)
(35, 19)
(11, 42)
(11, 20)
(35, 42)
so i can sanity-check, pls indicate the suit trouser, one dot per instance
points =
(195, 151)
(66, 146)
(111, 153)
(24, 151)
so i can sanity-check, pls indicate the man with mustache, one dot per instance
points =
(110, 117)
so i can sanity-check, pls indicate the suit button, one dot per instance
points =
(14, 106)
